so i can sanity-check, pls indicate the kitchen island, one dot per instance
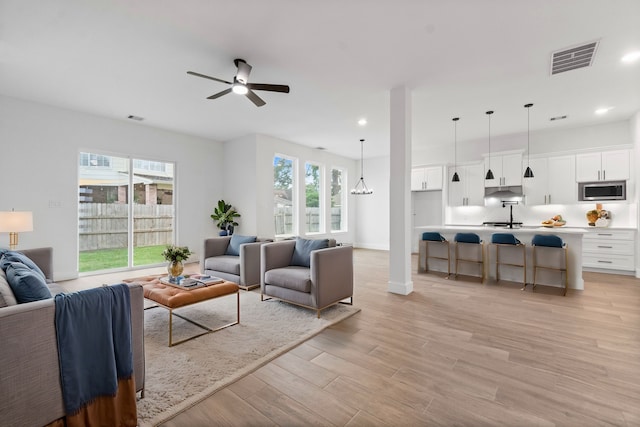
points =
(571, 236)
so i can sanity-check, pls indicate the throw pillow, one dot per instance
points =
(5, 290)
(302, 252)
(236, 241)
(26, 284)
(11, 256)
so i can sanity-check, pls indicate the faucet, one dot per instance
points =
(510, 203)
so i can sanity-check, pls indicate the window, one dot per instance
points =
(148, 165)
(284, 202)
(90, 159)
(125, 218)
(338, 200)
(313, 198)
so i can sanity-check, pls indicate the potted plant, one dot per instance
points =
(175, 255)
(224, 214)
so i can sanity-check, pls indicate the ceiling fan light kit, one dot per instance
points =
(241, 85)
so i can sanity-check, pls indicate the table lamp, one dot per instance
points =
(13, 223)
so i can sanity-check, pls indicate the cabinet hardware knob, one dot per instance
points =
(605, 247)
(605, 262)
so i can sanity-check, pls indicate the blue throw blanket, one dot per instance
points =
(93, 329)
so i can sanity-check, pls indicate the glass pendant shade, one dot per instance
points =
(489, 172)
(528, 173)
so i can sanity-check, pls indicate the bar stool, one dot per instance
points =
(469, 242)
(424, 254)
(507, 243)
(545, 256)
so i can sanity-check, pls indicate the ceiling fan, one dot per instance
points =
(241, 84)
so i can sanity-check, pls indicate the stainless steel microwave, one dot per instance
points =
(612, 190)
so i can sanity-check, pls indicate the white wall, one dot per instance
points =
(240, 177)
(251, 159)
(373, 210)
(541, 142)
(634, 129)
(39, 167)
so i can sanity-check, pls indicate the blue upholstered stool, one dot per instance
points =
(440, 253)
(545, 256)
(469, 243)
(508, 244)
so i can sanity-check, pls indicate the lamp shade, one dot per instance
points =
(16, 222)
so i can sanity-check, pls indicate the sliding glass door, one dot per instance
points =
(125, 212)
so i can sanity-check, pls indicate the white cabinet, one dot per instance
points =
(609, 249)
(552, 181)
(507, 170)
(469, 191)
(426, 178)
(603, 166)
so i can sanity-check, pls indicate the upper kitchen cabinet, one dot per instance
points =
(469, 191)
(603, 166)
(507, 170)
(426, 178)
(553, 181)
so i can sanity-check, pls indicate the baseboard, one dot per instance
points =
(400, 288)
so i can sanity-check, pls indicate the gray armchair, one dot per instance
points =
(327, 281)
(243, 269)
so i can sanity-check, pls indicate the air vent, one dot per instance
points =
(573, 58)
(558, 118)
(136, 118)
(320, 148)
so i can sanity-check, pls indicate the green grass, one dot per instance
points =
(105, 259)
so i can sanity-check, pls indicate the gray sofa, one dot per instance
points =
(243, 269)
(327, 281)
(30, 392)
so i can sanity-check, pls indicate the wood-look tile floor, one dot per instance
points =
(454, 352)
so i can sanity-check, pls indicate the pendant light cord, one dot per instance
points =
(362, 159)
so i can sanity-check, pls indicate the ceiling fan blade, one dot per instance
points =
(219, 94)
(207, 77)
(255, 98)
(244, 70)
(272, 88)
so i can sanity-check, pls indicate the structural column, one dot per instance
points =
(400, 193)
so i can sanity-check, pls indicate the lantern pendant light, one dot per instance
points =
(361, 188)
(489, 173)
(528, 173)
(455, 178)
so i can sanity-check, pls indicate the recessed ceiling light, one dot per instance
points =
(362, 122)
(631, 57)
(603, 110)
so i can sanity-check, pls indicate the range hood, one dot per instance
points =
(504, 193)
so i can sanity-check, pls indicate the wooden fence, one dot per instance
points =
(104, 225)
(283, 219)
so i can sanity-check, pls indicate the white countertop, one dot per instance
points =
(521, 230)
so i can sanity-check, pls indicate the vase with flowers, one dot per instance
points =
(175, 255)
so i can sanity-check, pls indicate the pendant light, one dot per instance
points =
(455, 178)
(361, 188)
(528, 173)
(489, 173)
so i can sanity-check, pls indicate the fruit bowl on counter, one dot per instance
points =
(556, 221)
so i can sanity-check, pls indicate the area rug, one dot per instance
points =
(180, 376)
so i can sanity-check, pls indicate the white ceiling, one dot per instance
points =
(340, 57)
